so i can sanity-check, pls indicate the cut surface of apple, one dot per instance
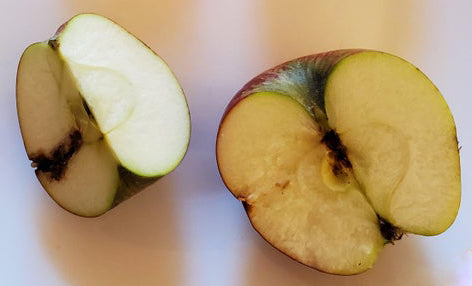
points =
(100, 113)
(334, 155)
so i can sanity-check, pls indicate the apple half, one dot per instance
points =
(101, 115)
(336, 154)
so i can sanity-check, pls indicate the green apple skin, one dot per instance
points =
(304, 80)
(128, 183)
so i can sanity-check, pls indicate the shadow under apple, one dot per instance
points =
(125, 246)
(395, 262)
(309, 27)
(140, 241)
(167, 27)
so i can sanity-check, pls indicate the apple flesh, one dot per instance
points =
(101, 115)
(334, 155)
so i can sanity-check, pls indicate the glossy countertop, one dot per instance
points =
(187, 229)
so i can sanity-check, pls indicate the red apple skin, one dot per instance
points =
(296, 73)
(322, 63)
(321, 66)
(129, 183)
(247, 209)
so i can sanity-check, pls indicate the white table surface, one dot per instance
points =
(187, 229)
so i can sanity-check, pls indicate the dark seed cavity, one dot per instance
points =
(338, 152)
(56, 163)
(389, 232)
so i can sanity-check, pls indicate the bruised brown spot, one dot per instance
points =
(282, 185)
(87, 109)
(56, 163)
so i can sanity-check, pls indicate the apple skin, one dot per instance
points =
(319, 65)
(313, 71)
(247, 209)
(304, 80)
(129, 183)
(298, 71)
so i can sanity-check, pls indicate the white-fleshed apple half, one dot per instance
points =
(334, 155)
(101, 114)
